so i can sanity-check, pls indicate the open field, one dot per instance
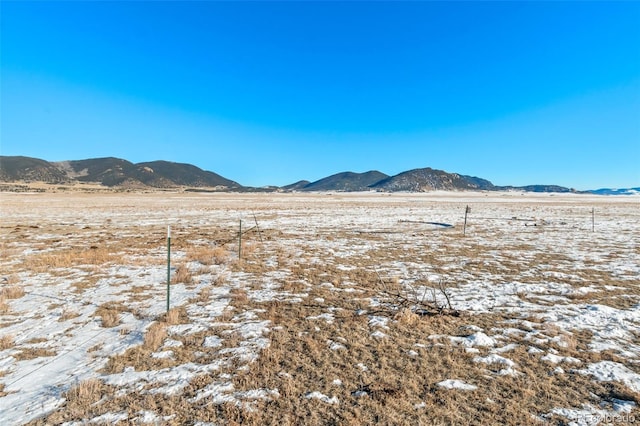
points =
(344, 309)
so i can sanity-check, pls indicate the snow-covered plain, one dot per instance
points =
(537, 255)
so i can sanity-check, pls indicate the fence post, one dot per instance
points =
(240, 242)
(466, 212)
(168, 264)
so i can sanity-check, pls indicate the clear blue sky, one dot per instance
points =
(273, 92)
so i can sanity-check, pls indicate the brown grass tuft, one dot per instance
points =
(6, 342)
(174, 316)
(203, 296)
(407, 317)
(68, 314)
(4, 307)
(32, 353)
(85, 393)
(109, 314)
(182, 275)
(208, 255)
(238, 296)
(12, 292)
(155, 335)
(41, 262)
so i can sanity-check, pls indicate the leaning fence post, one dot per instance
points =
(466, 212)
(168, 264)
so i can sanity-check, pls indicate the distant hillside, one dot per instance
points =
(112, 172)
(536, 188)
(296, 186)
(14, 169)
(618, 191)
(428, 179)
(122, 174)
(162, 174)
(108, 171)
(346, 181)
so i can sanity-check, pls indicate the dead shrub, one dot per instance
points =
(155, 335)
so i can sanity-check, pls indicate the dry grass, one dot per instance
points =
(88, 283)
(250, 248)
(85, 393)
(208, 255)
(12, 292)
(399, 385)
(203, 296)
(4, 306)
(6, 342)
(182, 275)
(67, 258)
(80, 401)
(399, 375)
(155, 335)
(390, 391)
(36, 340)
(68, 314)
(32, 353)
(109, 314)
(239, 296)
(12, 279)
(175, 316)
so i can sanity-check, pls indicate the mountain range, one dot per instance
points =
(112, 172)
(122, 174)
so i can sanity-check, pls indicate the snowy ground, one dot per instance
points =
(567, 288)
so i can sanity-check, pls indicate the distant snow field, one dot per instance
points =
(84, 299)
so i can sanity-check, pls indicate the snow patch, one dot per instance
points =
(322, 397)
(456, 384)
(609, 371)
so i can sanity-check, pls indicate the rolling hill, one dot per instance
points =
(112, 172)
(118, 173)
(30, 169)
(346, 181)
(428, 179)
(616, 191)
(108, 171)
